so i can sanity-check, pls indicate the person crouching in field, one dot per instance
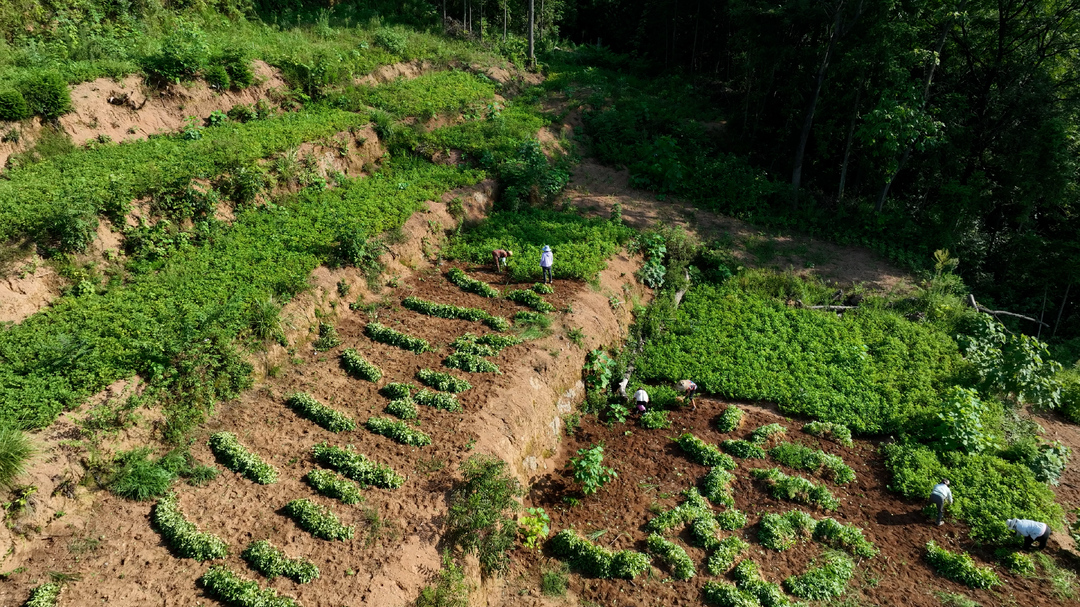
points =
(641, 397)
(1033, 532)
(547, 258)
(689, 390)
(500, 256)
(938, 496)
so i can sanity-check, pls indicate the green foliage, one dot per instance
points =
(228, 450)
(437, 400)
(655, 419)
(470, 284)
(328, 338)
(730, 419)
(329, 484)
(748, 578)
(732, 519)
(231, 589)
(470, 363)
(743, 449)
(693, 507)
(762, 435)
(44, 595)
(682, 567)
(318, 520)
(703, 532)
(15, 451)
(987, 489)
(542, 289)
(725, 594)
(431, 308)
(182, 536)
(724, 555)
(783, 531)
(271, 561)
(826, 578)
(534, 527)
(217, 78)
(358, 366)
(307, 407)
(140, 479)
(802, 457)
(838, 433)
(1014, 364)
(444, 382)
(962, 415)
(480, 518)
(46, 95)
(716, 487)
(846, 537)
(529, 298)
(1016, 562)
(386, 335)
(554, 582)
(589, 469)
(237, 66)
(795, 488)
(872, 370)
(428, 95)
(394, 41)
(594, 561)
(182, 55)
(450, 590)
(496, 342)
(960, 567)
(402, 408)
(582, 245)
(355, 466)
(703, 453)
(395, 390)
(13, 105)
(397, 431)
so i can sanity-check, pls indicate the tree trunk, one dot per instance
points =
(847, 146)
(532, 36)
(481, 20)
(506, 10)
(1061, 309)
(444, 14)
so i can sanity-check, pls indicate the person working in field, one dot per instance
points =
(938, 496)
(1033, 532)
(500, 256)
(547, 258)
(641, 397)
(689, 389)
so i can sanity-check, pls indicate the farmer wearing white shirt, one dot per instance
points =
(938, 496)
(547, 258)
(1032, 531)
(642, 397)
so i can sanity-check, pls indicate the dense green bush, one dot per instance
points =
(238, 67)
(802, 457)
(1016, 562)
(724, 554)
(329, 484)
(847, 537)
(432, 308)
(216, 77)
(693, 507)
(703, 532)
(386, 335)
(529, 298)
(716, 487)
(589, 470)
(670, 553)
(182, 536)
(46, 95)
(402, 408)
(307, 407)
(182, 55)
(838, 433)
(397, 431)
(595, 561)
(730, 420)
(395, 390)
(826, 578)
(703, 453)
(742, 448)
(795, 488)
(231, 589)
(444, 382)
(358, 366)
(235, 457)
(492, 342)
(13, 105)
(44, 595)
(355, 466)
(470, 284)
(437, 400)
(783, 531)
(655, 419)
(318, 520)
(480, 518)
(15, 451)
(470, 363)
(960, 567)
(272, 562)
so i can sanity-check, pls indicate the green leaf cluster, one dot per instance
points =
(327, 483)
(271, 561)
(397, 431)
(673, 555)
(826, 578)
(228, 450)
(386, 335)
(402, 408)
(437, 400)
(231, 589)
(589, 469)
(182, 536)
(782, 531)
(426, 96)
(529, 298)
(703, 532)
(726, 594)
(307, 407)
(796, 489)
(846, 537)
(470, 284)
(328, 338)
(743, 449)
(960, 567)
(355, 466)
(395, 390)
(542, 289)
(748, 579)
(724, 555)
(444, 382)
(470, 363)
(1017, 562)
(802, 457)
(656, 419)
(439, 310)
(730, 419)
(703, 453)
(764, 434)
(496, 342)
(594, 561)
(837, 433)
(730, 520)
(318, 520)
(716, 487)
(693, 507)
(358, 366)
(44, 595)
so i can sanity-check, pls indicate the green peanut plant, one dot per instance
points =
(235, 457)
(394, 390)
(358, 366)
(355, 466)
(723, 556)
(656, 419)
(317, 520)
(45, 595)
(397, 431)
(231, 589)
(402, 408)
(391, 337)
(748, 579)
(960, 567)
(795, 488)
(703, 453)
(730, 520)
(272, 562)
(444, 382)
(730, 420)
(438, 400)
(847, 537)
(307, 407)
(693, 507)
(325, 482)
(452, 312)
(743, 449)
(529, 298)
(837, 433)
(672, 554)
(471, 363)
(471, 285)
(589, 469)
(716, 487)
(596, 561)
(802, 457)
(182, 536)
(764, 434)
(782, 531)
(827, 578)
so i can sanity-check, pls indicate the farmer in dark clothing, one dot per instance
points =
(1033, 532)
(500, 256)
(939, 495)
(689, 388)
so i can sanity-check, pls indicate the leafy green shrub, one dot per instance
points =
(802, 457)
(397, 431)
(271, 561)
(1015, 365)
(394, 41)
(328, 338)
(542, 289)
(13, 105)
(837, 433)
(827, 578)
(183, 54)
(182, 536)
(138, 478)
(444, 382)
(847, 537)
(730, 419)
(961, 414)
(386, 335)
(725, 594)
(730, 520)
(470, 363)
(216, 77)
(595, 561)
(15, 451)
(395, 390)
(703, 453)
(469, 284)
(782, 531)
(749, 580)
(355, 466)
(724, 554)
(358, 366)
(590, 471)
(529, 298)
(682, 567)
(693, 507)
(534, 527)
(235, 457)
(238, 66)
(329, 484)
(795, 488)
(743, 449)
(628, 564)
(452, 312)
(44, 595)
(716, 487)
(231, 589)
(960, 567)
(437, 400)
(764, 434)
(1016, 562)
(402, 408)
(307, 407)
(242, 113)
(480, 517)
(46, 95)
(450, 589)
(703, 532)
(318, 520)
(656, 419)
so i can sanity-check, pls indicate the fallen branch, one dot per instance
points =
(974, 304)
(831, 308)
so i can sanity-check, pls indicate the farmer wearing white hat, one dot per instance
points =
(689, 388)
(546, 259)
(1033, 532)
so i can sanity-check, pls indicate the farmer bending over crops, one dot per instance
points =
(546, 259)
(500, 256)
(938, 496)
(690, 390)
(1033, 532)
(641, 397)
